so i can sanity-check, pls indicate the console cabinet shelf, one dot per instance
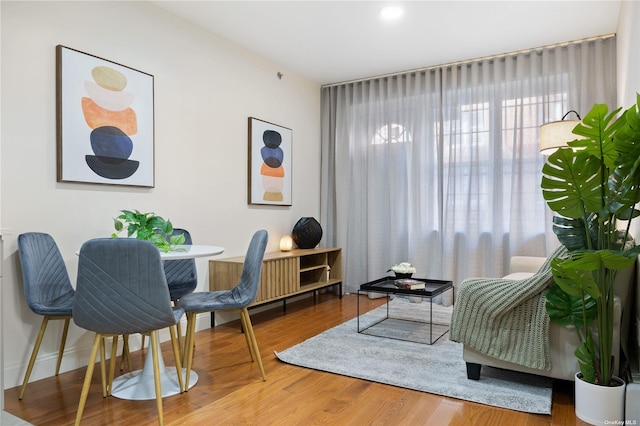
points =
(284, 274)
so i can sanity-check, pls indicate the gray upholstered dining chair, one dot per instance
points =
(122, 289)
(182, 275)
(236, 299)
(47, 289)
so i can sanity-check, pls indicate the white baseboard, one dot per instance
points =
(77, 357)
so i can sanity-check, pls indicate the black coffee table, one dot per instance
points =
(387, 287)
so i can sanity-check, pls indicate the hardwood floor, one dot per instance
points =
(230, 391)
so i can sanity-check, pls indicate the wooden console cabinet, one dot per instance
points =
(284, 274)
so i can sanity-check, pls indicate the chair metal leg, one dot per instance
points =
(175, 343)
(87, 378)
(126, 353)
(247, 338)
(179, 336)
(156, 375)
(63, 341)
(103, 370)
(252, 336)
(112, 364)
(188, 346)
(34, 353)
(181, 343)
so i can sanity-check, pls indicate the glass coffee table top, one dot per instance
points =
(388, 285)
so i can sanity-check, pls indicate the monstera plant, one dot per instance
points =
(593, 187)
(147, 226)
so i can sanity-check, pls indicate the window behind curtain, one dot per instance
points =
(441, 167)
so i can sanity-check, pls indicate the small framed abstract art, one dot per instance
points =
(105, 121)
(270, 180)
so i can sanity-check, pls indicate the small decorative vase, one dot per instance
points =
(400, 275)
(307, 233)
(599, 405)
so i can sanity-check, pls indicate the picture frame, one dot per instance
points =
(270, 163)
(104, 121)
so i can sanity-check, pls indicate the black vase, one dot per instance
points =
(307, 233)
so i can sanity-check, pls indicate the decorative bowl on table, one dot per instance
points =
(401, 275)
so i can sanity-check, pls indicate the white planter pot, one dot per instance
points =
(599, 405)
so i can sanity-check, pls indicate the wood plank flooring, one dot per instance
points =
(230, 391)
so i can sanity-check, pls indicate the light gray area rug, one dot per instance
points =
(437, 368)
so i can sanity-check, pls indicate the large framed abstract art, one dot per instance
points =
(105, 121)
(270, 180)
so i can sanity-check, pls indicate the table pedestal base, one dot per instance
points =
(134, 386)
(140, 385)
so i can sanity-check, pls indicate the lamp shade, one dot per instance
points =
(556, 134)
(286, 243)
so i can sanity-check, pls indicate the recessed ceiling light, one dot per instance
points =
(391, 12)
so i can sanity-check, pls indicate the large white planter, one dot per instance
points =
(599, 405)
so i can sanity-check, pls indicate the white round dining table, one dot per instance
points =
(187, 251)
(139, 384)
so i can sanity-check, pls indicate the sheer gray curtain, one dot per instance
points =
(441, 168)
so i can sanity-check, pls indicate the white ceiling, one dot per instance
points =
(335, 41)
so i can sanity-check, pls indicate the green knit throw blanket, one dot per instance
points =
(506, 319)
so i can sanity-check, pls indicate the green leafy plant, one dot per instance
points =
(147, 226)
(590, 185)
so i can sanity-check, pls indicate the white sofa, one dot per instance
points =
(563, 340)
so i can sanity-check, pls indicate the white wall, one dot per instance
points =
(1, 259)
(628, 44)
(205, 89)
(628, 64)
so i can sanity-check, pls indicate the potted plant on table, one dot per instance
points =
(591, 185)
(403, 270)
(147, 226)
